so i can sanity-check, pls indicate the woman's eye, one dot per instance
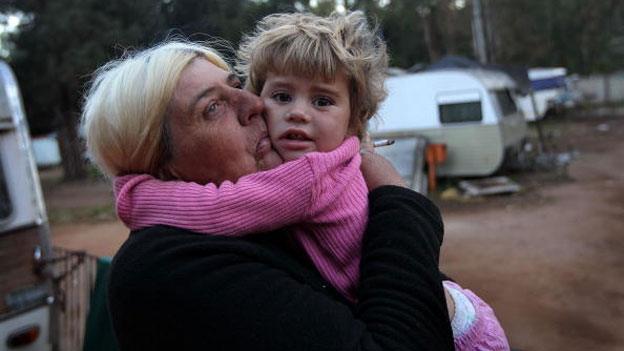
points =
(213, 109)
(281, 97)
(322, 102)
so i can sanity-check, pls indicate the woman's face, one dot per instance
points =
(216, 129)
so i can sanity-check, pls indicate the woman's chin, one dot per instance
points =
(271, 160)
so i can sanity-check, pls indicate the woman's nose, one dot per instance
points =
(250, 107)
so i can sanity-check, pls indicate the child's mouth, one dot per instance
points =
(293, 136)
(295, 140)
(296, 135)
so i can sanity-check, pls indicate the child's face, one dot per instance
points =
(305, 115)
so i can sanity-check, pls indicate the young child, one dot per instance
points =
(321, 79)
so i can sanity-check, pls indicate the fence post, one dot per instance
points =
(607, 89)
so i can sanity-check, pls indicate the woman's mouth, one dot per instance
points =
(264, 146)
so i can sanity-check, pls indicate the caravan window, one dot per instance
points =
(506, 102)
(460, 112)
(5, 202)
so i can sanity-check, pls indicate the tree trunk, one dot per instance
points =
(478, 32)
(432, 33)
(69, 142)
(447, 20)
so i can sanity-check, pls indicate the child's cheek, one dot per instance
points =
(271, 118)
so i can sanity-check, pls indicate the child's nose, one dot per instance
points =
(297, 116)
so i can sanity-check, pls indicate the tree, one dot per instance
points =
(55, 53)
(58, 50)
(580, 35)
(221, 22)
(420, 31)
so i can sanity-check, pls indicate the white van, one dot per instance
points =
(26, 309)
(472, 111)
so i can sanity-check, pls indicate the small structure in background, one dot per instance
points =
(489, 186)
(551, 91)
(46, 151)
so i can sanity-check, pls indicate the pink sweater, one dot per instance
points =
(323, 193)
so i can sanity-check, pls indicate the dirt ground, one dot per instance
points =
(550, 259)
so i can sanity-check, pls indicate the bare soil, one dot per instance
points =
(82, 215)
(550, 259)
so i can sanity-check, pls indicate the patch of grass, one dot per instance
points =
(94, 173)
(609, 104)
(86, 214)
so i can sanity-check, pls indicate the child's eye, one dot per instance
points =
(281, 97)
(322, 102)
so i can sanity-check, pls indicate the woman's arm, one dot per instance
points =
(179, 290)
(378, 171)
(258, 202)
(400, 265)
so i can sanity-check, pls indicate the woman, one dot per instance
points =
(174, 289)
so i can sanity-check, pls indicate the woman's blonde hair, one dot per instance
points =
(125, 109)
(313, 46)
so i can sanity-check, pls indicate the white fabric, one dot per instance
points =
(465, 314)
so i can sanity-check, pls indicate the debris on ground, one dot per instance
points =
(450, 194)
(554, 160)
(603, 127)
(489, 186)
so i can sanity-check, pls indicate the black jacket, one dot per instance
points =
(171, 289)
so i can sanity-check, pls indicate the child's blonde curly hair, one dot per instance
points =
(313, 46)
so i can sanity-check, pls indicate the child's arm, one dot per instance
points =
(474, 324)
(257, 202)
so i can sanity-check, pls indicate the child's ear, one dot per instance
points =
(353, 131)
(357, 127)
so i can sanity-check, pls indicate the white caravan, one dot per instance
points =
(472, 111)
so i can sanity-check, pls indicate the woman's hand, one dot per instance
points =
(377, 170)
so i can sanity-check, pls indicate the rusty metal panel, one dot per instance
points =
(16, 263)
